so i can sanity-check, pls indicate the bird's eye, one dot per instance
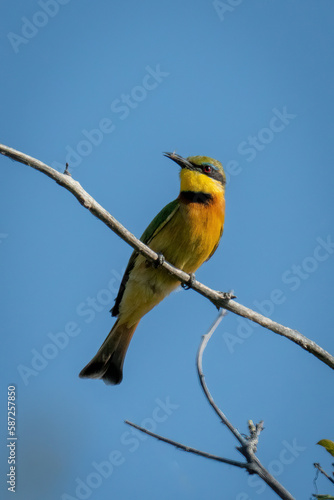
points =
(207, 169)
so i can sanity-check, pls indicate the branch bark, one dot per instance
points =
(216, 297)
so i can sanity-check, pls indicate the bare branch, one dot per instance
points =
(183, 447)
(221, 415)
(216, 297)
(248, 444)
(320, 469)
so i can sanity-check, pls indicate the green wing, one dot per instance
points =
(159, 221)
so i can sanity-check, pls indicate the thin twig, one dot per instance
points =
(214, 296)
(246, 443)
(203, 344)
(320, 469)
(183, 447)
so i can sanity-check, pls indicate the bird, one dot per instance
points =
(186, 233)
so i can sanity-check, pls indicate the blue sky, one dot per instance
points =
(108, 87)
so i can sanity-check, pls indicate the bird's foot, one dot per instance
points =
(190, 282)
(159, 261)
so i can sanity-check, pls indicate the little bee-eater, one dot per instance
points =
(187, 233)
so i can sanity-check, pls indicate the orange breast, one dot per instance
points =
(193, 234)
(187, 240)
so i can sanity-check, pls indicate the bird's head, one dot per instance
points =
(200, 173)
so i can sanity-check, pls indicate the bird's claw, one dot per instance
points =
(159, 260)
(189, 283)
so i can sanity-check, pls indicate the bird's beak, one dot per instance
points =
(183, 162)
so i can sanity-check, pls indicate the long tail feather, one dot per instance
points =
(107, 363)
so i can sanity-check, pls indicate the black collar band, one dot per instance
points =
(196, 197)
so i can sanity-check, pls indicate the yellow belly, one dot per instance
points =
(187, 241)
